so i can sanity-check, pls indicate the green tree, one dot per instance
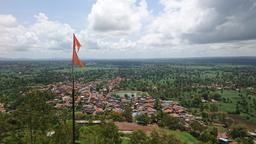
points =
(79, 115)
(205, 116)
(213, 108)
(89, 135)
(128, 113)
(157, 104)
(63, 133)
(197, 126)
(238, 132)
(116, 116)
(163, 137)
(171, 122)
(209, 135)
(143, 119)
(100, 134)
(36, 117)
(139, 137)
(109, 134)
(216, 96)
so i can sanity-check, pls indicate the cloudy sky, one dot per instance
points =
(39, 29)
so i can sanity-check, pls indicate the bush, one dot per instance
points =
(216, 96)
(238, 132)
(209, 135)
(117, 116)
(171, 122)
(139, 137)
(163, 137)
(100, 134)
(197, 127)
(79, 115)
(143, 119)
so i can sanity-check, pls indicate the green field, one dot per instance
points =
(185, 137)
(130, 93)
(243, 118)
(229, 107)
(125, 140)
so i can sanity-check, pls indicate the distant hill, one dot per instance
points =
(197, 60)
(134, 62)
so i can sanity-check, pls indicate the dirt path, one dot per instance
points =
(238, 120)
(125, 126)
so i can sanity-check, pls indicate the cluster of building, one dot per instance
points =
(91, 92)
(146, 105)
(97, 97)
(93, 99)
(140, 105)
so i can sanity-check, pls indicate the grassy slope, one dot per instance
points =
(185, 137)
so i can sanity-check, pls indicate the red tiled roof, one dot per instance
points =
(98, 110)
(168, 110)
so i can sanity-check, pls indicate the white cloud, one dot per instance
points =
(113, 25)
(51, 34)
(122, 44)
(7, 20)
(179, 17)
(41, 36)
(117, 16)
(209, 21)
(127, 28)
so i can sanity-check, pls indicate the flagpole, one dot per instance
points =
(73, 100)
(75, 60)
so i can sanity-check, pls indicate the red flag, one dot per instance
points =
(76, 43)
(76, 47)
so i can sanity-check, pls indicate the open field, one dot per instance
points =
(185, 137)
(229, 107)
(130, 93)
(245, 118)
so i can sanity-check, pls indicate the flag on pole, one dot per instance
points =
(75, 60)
(76, 43)
(76, 47)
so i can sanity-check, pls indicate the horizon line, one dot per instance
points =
(84, 59)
